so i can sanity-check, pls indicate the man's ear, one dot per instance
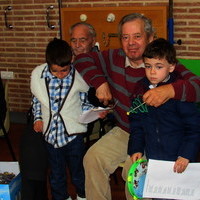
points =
(94, 42)
(151, 38)
(171, 67)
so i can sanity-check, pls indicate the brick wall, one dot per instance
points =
(22, 48)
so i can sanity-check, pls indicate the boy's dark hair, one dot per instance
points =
(161, 48)
(58, 52)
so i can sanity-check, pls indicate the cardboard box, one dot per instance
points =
(10, 191)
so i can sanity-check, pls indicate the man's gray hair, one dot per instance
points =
(149, 29)
(90, 27)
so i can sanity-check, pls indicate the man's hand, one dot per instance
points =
(103, 93)
(159, 95)
(38, 126)
(180, 165)
(136, 156)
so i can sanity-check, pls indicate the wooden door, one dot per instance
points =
(107, 31)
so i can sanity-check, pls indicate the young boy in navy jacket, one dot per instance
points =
(171, 131)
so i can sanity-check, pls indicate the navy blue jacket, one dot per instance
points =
(165, 132)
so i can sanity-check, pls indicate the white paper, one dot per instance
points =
(91, 115)
(162, 182)
(88, 116)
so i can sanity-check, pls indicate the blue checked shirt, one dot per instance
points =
(58, 89)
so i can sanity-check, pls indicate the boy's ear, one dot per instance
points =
(171, 67)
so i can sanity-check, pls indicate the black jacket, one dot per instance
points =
(3, 108)
(33, 158)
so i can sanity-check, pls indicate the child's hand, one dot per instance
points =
(38, 126)
(103, 114)
(136, 156)
(180, 165)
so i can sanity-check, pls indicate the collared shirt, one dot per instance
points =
(151, 86)
(58, 89)
(128, 64)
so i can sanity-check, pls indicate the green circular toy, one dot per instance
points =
(136, 178)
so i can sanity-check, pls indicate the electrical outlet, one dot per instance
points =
(7, 75)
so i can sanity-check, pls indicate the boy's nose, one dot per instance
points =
(152, 71)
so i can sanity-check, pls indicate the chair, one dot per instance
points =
(92, 133)
(7, 119)
(6, 125)
(98, 128)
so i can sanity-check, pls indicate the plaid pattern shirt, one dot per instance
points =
(58, 89)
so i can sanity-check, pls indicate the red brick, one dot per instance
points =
(23, 47)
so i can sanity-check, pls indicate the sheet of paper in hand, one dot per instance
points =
(162, 182)
(93, 114)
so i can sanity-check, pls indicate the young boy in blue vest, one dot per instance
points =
(171, 131)
(60, 96)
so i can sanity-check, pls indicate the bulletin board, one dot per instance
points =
(107, 31)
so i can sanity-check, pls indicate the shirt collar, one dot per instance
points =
(166, 79)
(151, 86)
(128, 64)
(46, 73)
